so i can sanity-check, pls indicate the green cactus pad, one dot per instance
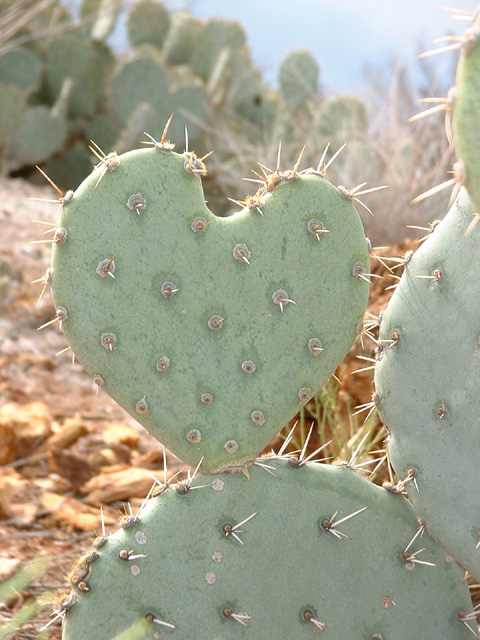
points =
(105, 128)
(147, 23)
(39, 135)
(88, 63)
(139, 79)
(341, 119)
(68, 56)
(195, 297)
(466, 111)
(22, 68)
(100, 16)
(214, 36)
(427, 383)
(89, 91)
(13, 103)
(253, 102)
(181, 38)
(69, 167)
(298, 78)
(187, 98)
(264, 558)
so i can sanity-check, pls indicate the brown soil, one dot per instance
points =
(64, 451)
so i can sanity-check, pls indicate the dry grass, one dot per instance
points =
(19, 25)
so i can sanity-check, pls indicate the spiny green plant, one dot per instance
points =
(428, 371)
(215, 36)
(171, 335)
(179, 42)
(21, 67)
(147, 23)
(427, 383)
(248, 298)
(293, 550)
(466, 111)
(298, 78)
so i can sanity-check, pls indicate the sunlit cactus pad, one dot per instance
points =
(288, 553)
(428, 382)
(466, 110)
(212, 332)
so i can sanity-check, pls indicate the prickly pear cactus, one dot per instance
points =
(466, 110)
(212, 332)
(38, 136)
(21, 67)
(181, 38)
(301, 549)
(298, 78)
(213, 37)
(147, 23)
(427, 383)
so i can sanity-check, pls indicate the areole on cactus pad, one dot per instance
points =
(211, 332)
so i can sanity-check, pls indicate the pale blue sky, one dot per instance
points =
(343, 35)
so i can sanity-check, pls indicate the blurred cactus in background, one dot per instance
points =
(60, 73)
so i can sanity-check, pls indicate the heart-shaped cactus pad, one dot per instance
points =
(210, 331)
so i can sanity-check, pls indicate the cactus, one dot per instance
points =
(104, 129)
(428, 370)
(147, 23)
(143, 80)
(140, 78)
(213, 332)
(39, 135)
(89, 92)
(89, 64)
(13, 104)
(189, 100)
(225, 81)
(204, 315)
(67, 56)
(298, 78)
(215, 36)
(253, 102)
(341, 119)
(427, 383)
(181, 38)
(101, 17)
(227, 556)
(22, 68)
(466, 111)
(69, 167)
